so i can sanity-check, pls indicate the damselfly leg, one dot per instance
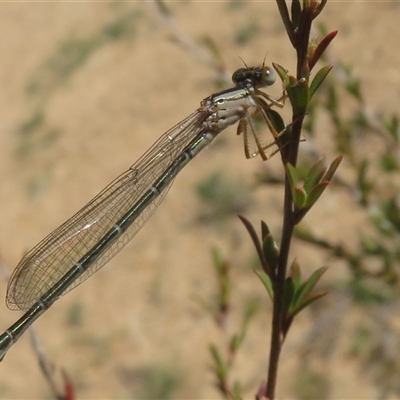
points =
(255, 78)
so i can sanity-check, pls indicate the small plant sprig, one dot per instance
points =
(373, 256)
(224, 357)
(289, 292)
(374, 188)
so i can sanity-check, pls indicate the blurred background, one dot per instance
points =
(86, 88)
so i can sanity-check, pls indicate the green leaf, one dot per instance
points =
(308, 286)
(221, 368)
(218, 260)
(315, 194)
(392, 126)
(282, 72)
(308, 301)
(296, 12)
(299, 198)
(315, 174)
(295, 273)
(332, 168)
(288, 295)
(292, 175)
(222, 269)
(237, 339)
(235, 343)
(265, 279)
(271, 254)
(252, 308)
(264, 230)
(319, 78)
(318, 189)
(276, 120)
(298, 93)
(323, 45)
(237, 391)
(253, 234)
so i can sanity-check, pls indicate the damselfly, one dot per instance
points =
(258, 77)
(87, 241)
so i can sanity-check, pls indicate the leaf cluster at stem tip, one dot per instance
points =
(316, 181)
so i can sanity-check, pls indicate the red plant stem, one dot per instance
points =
(276, 336)
(299, 39)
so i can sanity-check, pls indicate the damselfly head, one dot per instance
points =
(258, 76)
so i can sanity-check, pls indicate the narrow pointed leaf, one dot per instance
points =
(392, 126)
(269, 251)
(319, 78)
(292, 175)
(332, 168)
(252, 308)
(217, 258)
(309, 285)
(221, 368)
(283, 10)
(299, 198)
(254, 236)
(235, 343)
(288, 295)
(266, 282)
(276, 120)
(264, 230)
(282, 72)
(237, 391)
(323, 45)
(298, 93)
(315, 194)
(295, 273)
(315, 174)
(308, 301)
(321, 6)
(296, 11)
(271, 255)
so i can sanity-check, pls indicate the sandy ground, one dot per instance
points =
(68, 130)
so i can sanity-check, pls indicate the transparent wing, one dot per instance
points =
(47, 263)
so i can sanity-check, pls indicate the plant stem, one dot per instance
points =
(289, 154)
(277, 337)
